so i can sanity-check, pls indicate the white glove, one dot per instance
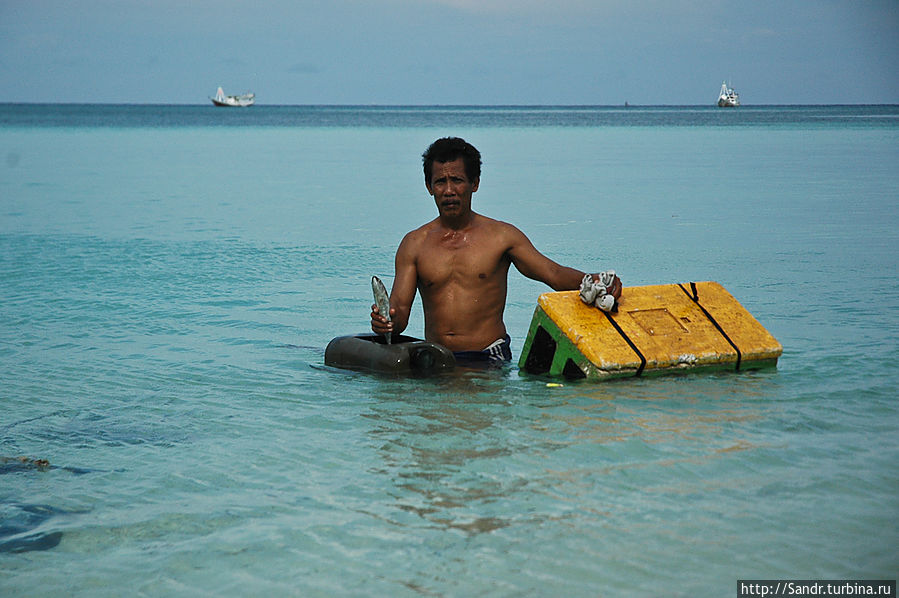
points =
(597, 293)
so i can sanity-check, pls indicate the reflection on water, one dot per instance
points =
(437, 440)
(481, 451)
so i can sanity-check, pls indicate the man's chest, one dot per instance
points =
(442, 263)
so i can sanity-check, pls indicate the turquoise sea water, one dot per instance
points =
(170, 276)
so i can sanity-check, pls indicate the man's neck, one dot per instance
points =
(457, 223)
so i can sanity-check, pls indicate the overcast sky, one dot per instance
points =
(450, 51)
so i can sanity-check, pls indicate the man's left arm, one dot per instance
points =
(537, 266)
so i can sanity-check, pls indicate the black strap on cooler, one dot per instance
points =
(695, 297)
(628, 341)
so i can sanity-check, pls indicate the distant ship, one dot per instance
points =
(240, 101)
(727, 97)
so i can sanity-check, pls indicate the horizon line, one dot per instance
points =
(625, 105)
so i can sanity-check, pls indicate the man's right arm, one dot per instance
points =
(402, 294)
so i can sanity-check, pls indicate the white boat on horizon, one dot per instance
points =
(727, 97)
(235, 101)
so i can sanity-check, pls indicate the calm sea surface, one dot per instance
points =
(170, 276)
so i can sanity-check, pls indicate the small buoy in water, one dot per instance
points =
(553, 384)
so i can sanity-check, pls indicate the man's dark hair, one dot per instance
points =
(449, 149)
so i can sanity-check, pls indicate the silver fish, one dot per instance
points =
(381, 300)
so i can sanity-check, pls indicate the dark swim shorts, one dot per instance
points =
(496, 354)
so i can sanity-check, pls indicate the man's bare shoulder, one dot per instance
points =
(414, 240)
(499, 229)
(417, 235)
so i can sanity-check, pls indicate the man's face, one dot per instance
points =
(451, 188)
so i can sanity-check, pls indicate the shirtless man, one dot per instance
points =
(459, 263)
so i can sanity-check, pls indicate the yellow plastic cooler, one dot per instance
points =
(657, 329)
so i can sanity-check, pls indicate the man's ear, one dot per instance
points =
(474, 186)
(428, 187)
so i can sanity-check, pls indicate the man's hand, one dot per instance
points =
(380, 324)
(614, 289)
(602, 290)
